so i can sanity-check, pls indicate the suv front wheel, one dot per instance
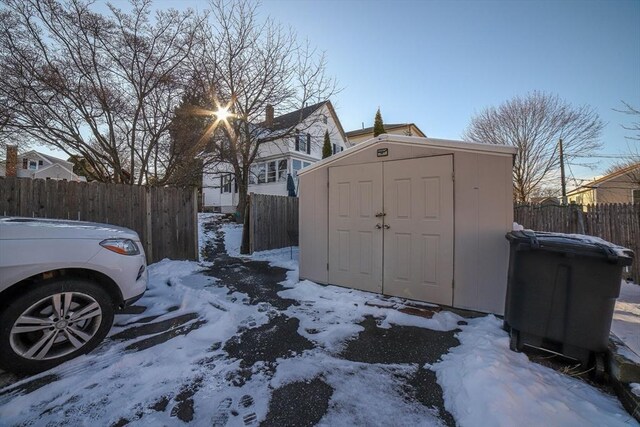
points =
(53, 322)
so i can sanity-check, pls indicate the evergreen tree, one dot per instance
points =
(378, 126)
(326, 147)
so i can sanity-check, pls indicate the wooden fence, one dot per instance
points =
(273, 222)
(165, 218)
(616, 223)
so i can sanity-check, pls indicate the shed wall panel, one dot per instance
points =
(484, 213)
(314, 226)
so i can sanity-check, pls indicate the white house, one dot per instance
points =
(278, 156)
(34, 164)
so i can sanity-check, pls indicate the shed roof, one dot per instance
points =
(414, 140)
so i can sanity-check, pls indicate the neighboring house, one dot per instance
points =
(34, 164)
(278, 156)
(406, 129)
(545, 201)
(621, 186)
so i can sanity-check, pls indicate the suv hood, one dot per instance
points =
(12, 228)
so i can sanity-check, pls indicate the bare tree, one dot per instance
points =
(631, 159)
(247, 66)
(98, 87)
(535, 124)
(635, 125)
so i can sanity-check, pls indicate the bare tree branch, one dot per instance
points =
(535, 124)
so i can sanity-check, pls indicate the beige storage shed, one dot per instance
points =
(418, 218)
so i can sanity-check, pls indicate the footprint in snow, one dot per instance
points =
(243, 409)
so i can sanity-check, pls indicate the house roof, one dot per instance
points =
(365, 131)
(50, 159)
(292, 119)
(414, 140)
(596, 182)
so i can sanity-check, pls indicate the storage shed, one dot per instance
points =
(418, 218)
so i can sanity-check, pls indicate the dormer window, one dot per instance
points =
(33, 165)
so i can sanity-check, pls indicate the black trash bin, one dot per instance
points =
(561, 293)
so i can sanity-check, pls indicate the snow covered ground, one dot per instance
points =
(147, 375)
(626, 319)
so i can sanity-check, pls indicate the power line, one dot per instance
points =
(604, 156)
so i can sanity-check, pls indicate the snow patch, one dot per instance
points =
(232, 238)
(626, 320)
(363, 394)
(486, 383)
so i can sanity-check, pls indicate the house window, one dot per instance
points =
(262, 173)
(296, 165)
(324, 119)
(282, 170)
(303, 143)
(271, 171)
(635, 194)
(579, 199)
(335, 148)
(227, 183)
(33, 165)
(25, 163)
(40, 163)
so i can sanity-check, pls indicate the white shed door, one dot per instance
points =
(418, 237)
(355, 254)
(408, 252)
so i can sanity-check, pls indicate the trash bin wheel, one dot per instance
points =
(515, 343)
(598, 367)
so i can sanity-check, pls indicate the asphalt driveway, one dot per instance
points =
(235, 381)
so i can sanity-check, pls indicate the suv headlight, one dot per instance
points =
(121, 246)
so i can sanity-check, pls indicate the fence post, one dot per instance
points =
(195, 223)
(148, 225)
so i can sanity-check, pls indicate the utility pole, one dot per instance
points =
(563, 183)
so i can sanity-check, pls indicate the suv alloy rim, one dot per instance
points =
(56, 326)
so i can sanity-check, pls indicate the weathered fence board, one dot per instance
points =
(273, 222)
(616, 223)
(165, 218)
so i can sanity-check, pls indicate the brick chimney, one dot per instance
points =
(11, 166)
(268, 116)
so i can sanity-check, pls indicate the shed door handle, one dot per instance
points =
(386, 226)
(378, 226)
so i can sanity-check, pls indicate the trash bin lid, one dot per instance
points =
(577, 244)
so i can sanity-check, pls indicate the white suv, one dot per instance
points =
(60, 284)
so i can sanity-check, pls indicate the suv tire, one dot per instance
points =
(52, 322)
